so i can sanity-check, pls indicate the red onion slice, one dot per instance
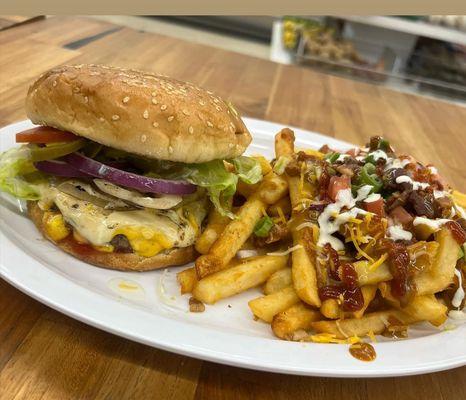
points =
(128, 179)
(59, 168)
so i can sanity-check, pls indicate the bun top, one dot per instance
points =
(142, 113)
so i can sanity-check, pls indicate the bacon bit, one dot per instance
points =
(353, 152)
(399, 262)
(457, 231)
(326, 149)
(334, 262)
(401, 216)
(323, 184)
(353, 299)
(349, 290)
(195, 305)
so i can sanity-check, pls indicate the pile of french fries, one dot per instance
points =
(290, 279)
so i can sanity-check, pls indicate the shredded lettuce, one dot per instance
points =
(213, 176)
(17, 174)
(220, 183)
(248, 169)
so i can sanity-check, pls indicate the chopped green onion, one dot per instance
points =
(384, 144)
(280, 164)
(263, 226)
(332, 157)
(368, 177)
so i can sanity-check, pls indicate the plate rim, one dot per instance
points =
(191, 349)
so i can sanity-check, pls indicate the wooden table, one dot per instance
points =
(44, 354)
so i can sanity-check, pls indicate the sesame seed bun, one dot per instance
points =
(118, 261)
(142, 113)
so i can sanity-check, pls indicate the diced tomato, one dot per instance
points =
(376, 207)
(44, 134)
(353, 152)
(338, 183)
(401, 216)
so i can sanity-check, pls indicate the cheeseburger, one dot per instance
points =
(124, 164)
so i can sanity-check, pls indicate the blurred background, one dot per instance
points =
(425, 55)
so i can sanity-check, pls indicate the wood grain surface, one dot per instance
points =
(46, 355)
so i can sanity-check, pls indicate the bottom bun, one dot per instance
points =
(118, 261)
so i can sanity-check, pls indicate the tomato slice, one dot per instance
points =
(45, 134)
(376, 207)
(336, 184)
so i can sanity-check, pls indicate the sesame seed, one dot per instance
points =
(231, 145)
(145, 114)
(217, 108)
(101, 119)
(210, 124)
(155, 124)
(153, 94)
(191, 129)
(154, 101)
(170, 149)
(76, 89)
(125, 99)
(163, 107)
(115, 117)
(202, 103)
(86, 99)
(54, 83)
(170, 118)
(144, 138)
(185, 112)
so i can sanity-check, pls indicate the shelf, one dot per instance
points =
(418, 28)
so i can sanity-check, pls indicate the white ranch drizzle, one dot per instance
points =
(434, 224)
(327, 226)
(342, 157)
(378, 154)
(373, 197)
(396, 232)
(396, 163)
(416, 185)
(459, 294)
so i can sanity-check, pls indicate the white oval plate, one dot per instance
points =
(157, 315)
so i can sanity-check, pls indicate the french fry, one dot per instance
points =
(373, 322)
(187, 279)
(283, 204)
(245, 189)
(422, 308)
(368, 293)
(459, 198)
(215, 226)
(367, 276)
(278, 280)
(303, 269)
(248, 273)
(267, 306)
(264, 163)
(440, 275)
(330, 309)
(271, 189)
(298, 316)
